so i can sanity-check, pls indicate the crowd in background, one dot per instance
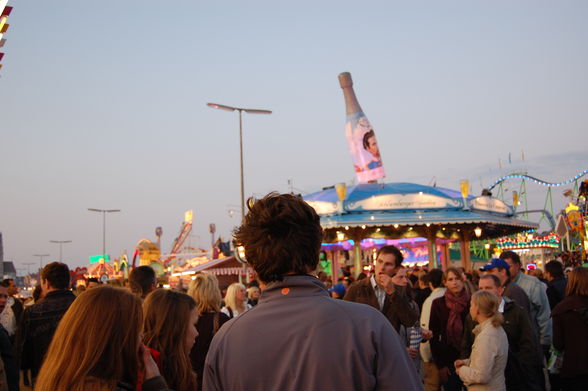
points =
(497, 328)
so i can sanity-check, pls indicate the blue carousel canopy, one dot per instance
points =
(409, 204)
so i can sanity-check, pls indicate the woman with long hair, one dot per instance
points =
(484, 370)
(236, 301)
(97, 346)
(447, 320)
(170, 328)
(570, 331)
(204, 290)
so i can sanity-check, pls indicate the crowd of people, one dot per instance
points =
(392, 329)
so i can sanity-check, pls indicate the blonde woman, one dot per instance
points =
(204, 290)
(484, 370)
(235, 301)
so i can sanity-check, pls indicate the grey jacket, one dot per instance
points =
(540, 310)
(298, 338)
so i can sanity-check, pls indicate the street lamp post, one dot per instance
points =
(240, 110)
(60, 242)
(28, 265)
(41, 256)
(104, 211)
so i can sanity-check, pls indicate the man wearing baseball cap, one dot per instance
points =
(501, 269)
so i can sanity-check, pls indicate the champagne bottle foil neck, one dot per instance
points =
(345, 80)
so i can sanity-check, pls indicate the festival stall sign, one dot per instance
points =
(361, 138)
(100, 258)
(489, 204)
(528, 241)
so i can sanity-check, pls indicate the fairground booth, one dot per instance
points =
(227, 270)
(423, 221)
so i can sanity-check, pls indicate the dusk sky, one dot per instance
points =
(103, 105)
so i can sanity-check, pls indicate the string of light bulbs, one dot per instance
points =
(538, 181)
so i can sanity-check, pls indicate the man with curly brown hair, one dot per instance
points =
(301, 338)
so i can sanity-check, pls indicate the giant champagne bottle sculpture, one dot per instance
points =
(360, 136)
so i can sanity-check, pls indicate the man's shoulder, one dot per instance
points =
(527, 280)
(516, 286)
(338, 311)
(364, 283)
(52, 303)
(512, 309)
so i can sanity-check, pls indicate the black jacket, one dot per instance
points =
(570, 335)
(10, 367)
(556, 291)
(206, 330)
(524, 357)
(154, 384)
(38, 324)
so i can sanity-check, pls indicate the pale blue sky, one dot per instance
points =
(103, 105)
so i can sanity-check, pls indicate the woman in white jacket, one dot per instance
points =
(484, 370)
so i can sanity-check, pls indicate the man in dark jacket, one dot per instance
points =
(290, 340)
(383, 291)
(6, 351)
(40, 320)
(524, 363)
(556, 283)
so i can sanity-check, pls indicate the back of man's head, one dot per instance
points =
(281, 234)
(512, 256)
(142, 280)
(56, 274)
(435, 277)
(555, 269)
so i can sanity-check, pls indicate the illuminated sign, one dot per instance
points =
(97, 258)
(402, 201)
(490, 205)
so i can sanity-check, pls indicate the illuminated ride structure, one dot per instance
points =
(149, 253)
(103, 271)
(532, 247)
(421, 220)
(570, 223)
(521, 194)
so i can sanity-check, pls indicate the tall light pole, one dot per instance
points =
(41, 256)
(240, 110)
(104, 211)
(60, 242)
(28, 265)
